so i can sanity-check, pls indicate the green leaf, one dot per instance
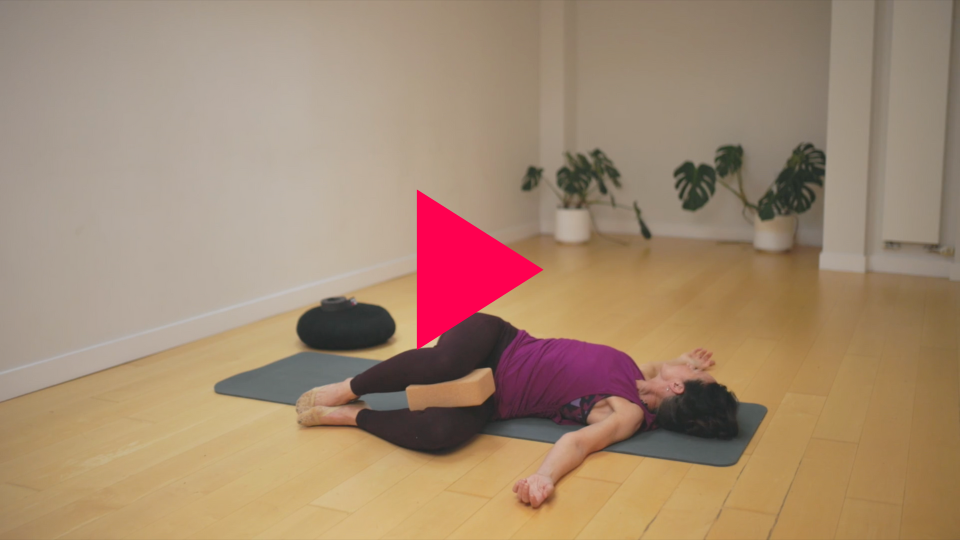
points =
(532, 178)
(600, 160)
(768, 206)
(599, 178)
(644, 230)
(643, 226)
(729, 160)
(794, 186)
(604, 167)
(696, 184)
(575, 179)
(766, 212)
(614, 175)
(583, 163)
(580, 173)
(566, 181)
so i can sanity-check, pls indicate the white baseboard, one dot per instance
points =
(726, 233)
(51, 371)
(41, 374)
(843, 262)
(516, 233)
(915, 265)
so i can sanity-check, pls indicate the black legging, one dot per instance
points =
(475, 343)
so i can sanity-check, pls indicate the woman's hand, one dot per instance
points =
(698, 359)
(533, 489)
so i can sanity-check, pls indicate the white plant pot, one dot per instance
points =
(573, 225)
(775, 234)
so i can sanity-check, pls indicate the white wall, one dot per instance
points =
(909, 259)
(661, 82)
(173, 169)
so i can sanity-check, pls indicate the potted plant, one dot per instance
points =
(774, 216)
(581, 183)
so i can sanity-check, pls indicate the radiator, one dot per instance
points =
(916, 120)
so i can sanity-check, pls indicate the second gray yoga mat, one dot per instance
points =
(285, 380)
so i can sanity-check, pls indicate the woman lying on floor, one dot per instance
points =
(567, 381)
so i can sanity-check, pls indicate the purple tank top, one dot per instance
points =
(538, 377)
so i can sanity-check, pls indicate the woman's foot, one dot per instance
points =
(344, 415)
(330, 395)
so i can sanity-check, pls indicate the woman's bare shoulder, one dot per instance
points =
(625, 408)
(618, 404)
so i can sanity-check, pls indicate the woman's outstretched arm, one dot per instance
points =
(570, 451)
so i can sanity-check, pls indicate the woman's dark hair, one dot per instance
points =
(702, 410)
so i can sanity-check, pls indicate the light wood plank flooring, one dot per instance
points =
(859, 372)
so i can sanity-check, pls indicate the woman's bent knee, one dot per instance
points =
(440, 432)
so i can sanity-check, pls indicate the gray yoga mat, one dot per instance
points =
(285, 380)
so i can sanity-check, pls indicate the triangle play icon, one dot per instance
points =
(460, 269)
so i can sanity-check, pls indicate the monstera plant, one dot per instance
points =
(582, 182)
(774, 215)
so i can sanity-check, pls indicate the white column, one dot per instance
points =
(557, 96)
(848, 135)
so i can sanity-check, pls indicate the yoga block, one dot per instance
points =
(468, 391)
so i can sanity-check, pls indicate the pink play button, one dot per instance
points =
(460, 269)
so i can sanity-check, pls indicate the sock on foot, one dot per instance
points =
(309, 399)
(324, 416)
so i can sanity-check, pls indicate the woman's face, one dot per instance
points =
(674, 375)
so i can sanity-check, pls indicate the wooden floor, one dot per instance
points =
(859, 372)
